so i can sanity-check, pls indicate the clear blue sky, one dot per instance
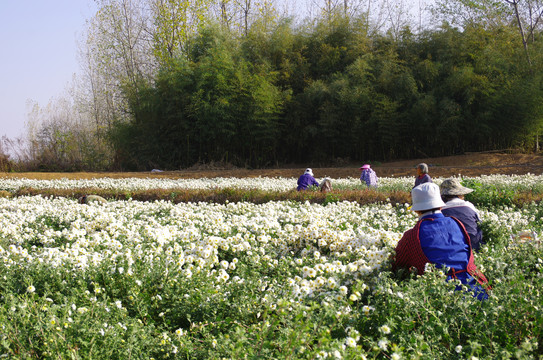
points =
(38, 54)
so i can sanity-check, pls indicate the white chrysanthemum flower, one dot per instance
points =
(322, 355)
(30, 289)
(367, 309)
(385, 329)
(350, 342)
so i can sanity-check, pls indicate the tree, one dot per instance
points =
(174, 22)
(525, 14)
(234, 105)
(528, 18)
(60, 140)
(116, 54)
(463, 13)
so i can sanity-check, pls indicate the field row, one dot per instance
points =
(518, 182)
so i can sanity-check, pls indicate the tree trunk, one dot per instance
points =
(521, 30)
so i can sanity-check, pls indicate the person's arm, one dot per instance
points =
(471, 206)
(402, 259)
(301, 184)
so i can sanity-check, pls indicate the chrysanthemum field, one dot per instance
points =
(278, 280)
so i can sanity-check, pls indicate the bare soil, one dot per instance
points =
(474, 164)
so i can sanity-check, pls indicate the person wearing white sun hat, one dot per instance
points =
(438, 240)
(306, 180)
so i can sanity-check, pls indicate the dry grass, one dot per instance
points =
(222, 196)
(466, 165)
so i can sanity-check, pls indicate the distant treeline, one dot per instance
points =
(295, 95)
(254, 83)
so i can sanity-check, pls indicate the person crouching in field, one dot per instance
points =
(306, 180)
(438, 240)
(87, 199)
(452, 193)
(368, 176)
(326, 185)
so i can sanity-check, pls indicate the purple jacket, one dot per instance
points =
(369, 177)
(422, 179)
(306, 181)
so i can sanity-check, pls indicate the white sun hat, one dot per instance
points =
(425, 197)
(309, 171)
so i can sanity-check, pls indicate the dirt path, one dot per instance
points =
(466, 165)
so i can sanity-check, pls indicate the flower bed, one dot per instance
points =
(282, 279)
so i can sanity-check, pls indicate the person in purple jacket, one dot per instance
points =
(306, 180)
(368, 176)
(422, 175)
(452, 193)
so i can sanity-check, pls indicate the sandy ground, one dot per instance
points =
(466, 165)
